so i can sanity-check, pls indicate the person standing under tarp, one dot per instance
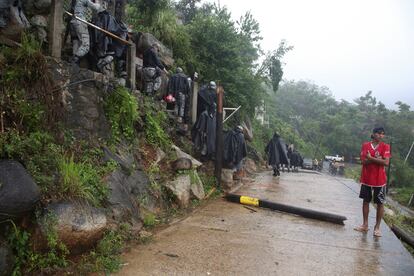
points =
(276, 153)
(179, 88)
(152, 68)
(235, 149)
(203, 133)
(207, 98)
(80, 29)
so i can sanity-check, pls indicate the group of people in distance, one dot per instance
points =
(280, 155)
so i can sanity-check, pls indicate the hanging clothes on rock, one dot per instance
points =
(203, 134)
(106, 48)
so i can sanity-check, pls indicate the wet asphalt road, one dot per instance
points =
(225, 238)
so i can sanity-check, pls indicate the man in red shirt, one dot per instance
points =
(375, 156)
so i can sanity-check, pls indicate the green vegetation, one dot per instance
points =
(405, 223)
(150, 220)
(353, 172)
(106, 256)
(28, 260)
(156, 122)
(82, 180)
(121, 109)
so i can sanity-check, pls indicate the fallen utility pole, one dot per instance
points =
(100, 29)
(307, 213)
(404, 236)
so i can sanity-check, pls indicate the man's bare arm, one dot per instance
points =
(380, 161)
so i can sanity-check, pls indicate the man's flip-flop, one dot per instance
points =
(361, 229)
(377, 233)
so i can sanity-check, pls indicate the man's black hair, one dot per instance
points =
(378, 130)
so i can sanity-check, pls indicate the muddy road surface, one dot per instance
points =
(224, 238)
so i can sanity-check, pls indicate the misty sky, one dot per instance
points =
(349, 46)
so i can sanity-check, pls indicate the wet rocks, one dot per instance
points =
(197, 188)
(79, 226)
(182, 164)
(125, 192)
(180, 187)
(181, 154)
(18, 191)
(227, 179)
(186, 187)
(250, 166)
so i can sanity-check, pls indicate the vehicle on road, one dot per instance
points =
(336, 158)
(307, 164)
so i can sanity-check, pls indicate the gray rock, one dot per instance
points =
(125, 192)
(42, 4)
(18, 191)
(79, 226)
(182, 154)
(182, 164)
(160, 156)
(180, 187)
(197, 188)
(84, 107)
(122, 157)
(6, 259)
(227, 179)
(15, 21)
(39, 21)
(250, 166)
(146, 40)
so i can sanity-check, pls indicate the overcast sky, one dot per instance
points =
(350, 46)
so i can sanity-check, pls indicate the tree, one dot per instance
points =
(272, 65)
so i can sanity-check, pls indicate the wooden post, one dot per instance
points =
(55, 28)
(219, 134)
(194, 101)
(131, 66)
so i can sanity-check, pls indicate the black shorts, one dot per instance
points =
(366, 194)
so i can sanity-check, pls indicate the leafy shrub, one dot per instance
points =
(27, 260)
(154, 133)
(121, 108)
(105, 257)
(403, 174)
(82, 180)
(27, 97)
(150, 220)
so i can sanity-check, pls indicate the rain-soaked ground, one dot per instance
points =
(225, 238)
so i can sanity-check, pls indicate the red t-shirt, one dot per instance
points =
(373, 174)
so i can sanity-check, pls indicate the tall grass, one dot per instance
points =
(81, 180)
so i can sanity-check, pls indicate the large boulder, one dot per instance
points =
(182, 164)
(145, 40)
(18, 191)
(79, 226)
(180, 188)
(12, 20)
(126, 191)
(227, 179)
(250, 166)
(197, 188)
(6, 258)
(181, 154)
